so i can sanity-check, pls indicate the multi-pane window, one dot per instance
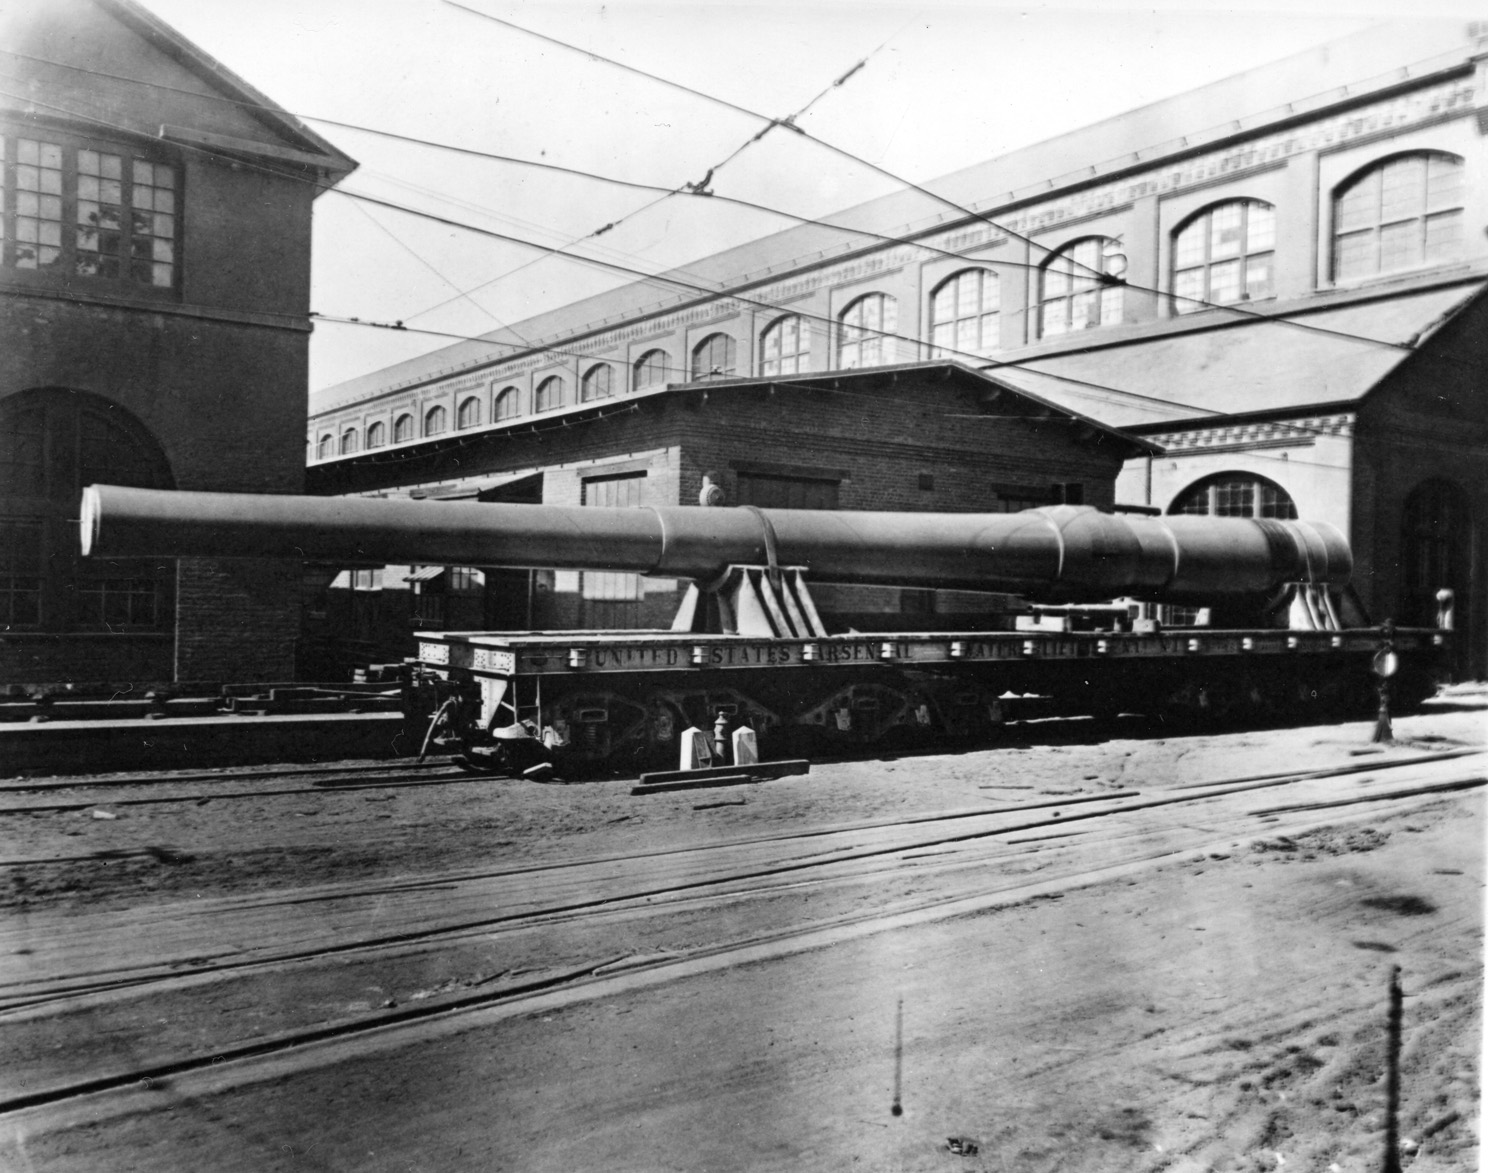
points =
(86, 211)
(348, 442)
(713, 357)
(1236, 495)
(650, 370)
(436, 420)
(611, 597)
(1080, 286)
(865, 332)
(326, 448)
(376, 435)
(549, 394)
(402, 429)
(468, 415)
(1223, 255)
(963, 313)
(785, 347)
(598, 383)
(1403, 212)
(508, 404)
(38, 204)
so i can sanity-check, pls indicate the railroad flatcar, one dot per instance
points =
(748, 647)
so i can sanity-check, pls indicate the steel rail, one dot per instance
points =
(153, 1074)
(670, 892)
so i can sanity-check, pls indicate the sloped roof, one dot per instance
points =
(75, 67)
(1245, 365)
(991, 385)
(1370, 62)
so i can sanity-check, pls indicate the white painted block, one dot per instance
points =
(746, 748)
(697, 749)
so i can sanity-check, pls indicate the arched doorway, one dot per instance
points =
(1436, 551)
(52, 443)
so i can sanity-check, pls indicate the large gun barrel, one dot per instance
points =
(1060, 553)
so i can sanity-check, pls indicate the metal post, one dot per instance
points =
(1392, 1077)
(721, 739)
(1385, 663)
(897, 1107)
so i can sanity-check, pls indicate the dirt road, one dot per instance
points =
(1164, 984)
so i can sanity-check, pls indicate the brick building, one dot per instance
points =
(1276, 278)
(923, 436)
(154, 287)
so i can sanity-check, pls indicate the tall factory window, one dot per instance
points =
(52, 443)
(402, 429)
(963, 313)
(713, 357)
(82, 208)
(1402, 212)
(376, 435)
(348, 442)
(508, 404)
(778, 491)
(864, 332)
(598, 383)
(549, 394)
(612, 599)
(1235, 495)
(1224, 254)
(469, 414)
(1080, 286)
(436, 421)
(650, 370)
(326, 447)
(785, 347)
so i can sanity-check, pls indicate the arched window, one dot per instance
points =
(1235, 494)
(549, 394)
(348, 442)
(713, 357)
(52, 443)
(508, 403)
(376, 435)
(468, 415)
(1224, 254)
(1399, 213)
(402, 429)
(326, 448)
(861, 340)
(785, 347)
(650, 370)
(436, 420)
(598, 383)
(963, 313)
(1075, 289)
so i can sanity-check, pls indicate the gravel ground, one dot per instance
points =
(1223, 1012)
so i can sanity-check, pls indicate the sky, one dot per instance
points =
(944, 84)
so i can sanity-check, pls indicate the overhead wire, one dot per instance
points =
(1165, 402)
(724, 291)
(1228, 307)
(1100, 277)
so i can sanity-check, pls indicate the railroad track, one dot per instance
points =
(1016, 852)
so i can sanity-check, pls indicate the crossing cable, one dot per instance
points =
(649, 278)
(911, 241)
(1101, 278)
